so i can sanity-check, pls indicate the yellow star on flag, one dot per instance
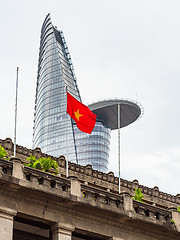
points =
(77, 114)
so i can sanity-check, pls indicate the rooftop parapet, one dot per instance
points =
(104, 181)
(17, 181)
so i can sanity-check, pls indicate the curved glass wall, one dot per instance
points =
(93, 148)
(54, 130)
(55, 71)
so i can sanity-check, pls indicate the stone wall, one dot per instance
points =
(72, 206)
(105, 181)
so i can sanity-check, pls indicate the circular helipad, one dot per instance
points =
(107, 111)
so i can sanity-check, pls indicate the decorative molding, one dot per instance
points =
(7, 213)
(98, 179)
(80, 210)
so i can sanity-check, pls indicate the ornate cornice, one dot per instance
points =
(106, 181)
(76, 212)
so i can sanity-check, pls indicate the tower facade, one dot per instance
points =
(54, 131)
(52, 128)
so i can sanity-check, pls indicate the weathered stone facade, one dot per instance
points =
(86, 205)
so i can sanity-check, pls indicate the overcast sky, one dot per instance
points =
(119, 48)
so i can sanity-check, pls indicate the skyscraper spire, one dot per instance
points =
(55, 72)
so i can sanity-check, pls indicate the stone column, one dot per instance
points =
(62, 231)
(175, 217)
(128, 202)
(75, 186)
(6, 223)
(17, 168)
(117, 238)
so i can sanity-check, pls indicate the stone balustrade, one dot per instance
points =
(5, 167)
(94, 196)
(46, 179)
(152, 212)
(87, 173)
(101, 196)
(36, 176)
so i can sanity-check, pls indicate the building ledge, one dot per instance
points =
(47, 187)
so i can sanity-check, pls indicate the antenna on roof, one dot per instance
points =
(119, 126)
(16, 112)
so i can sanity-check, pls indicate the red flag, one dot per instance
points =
(82, 115)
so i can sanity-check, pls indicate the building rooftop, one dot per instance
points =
(87, 202)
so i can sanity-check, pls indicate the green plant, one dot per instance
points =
(138, 195)
(33, 162)
(178, 209)
(84, 194)
(48, 163)
(3, 153)
(95, 196)
(44, 164)
(172, 221)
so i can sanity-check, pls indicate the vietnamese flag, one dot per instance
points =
(82, 115)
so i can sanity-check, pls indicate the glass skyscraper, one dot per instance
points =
(54, 131)
(55, 72)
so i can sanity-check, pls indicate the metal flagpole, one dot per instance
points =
(66, 138)
(119, 126)
(16, 113)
